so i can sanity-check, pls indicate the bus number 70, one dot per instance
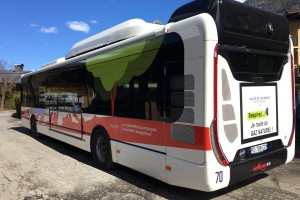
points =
(219, 176)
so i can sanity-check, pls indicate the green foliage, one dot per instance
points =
(12, 99)
(120, 65)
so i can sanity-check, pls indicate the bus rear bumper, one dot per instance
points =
(248, 168)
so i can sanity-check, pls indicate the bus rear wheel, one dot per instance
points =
(101, 150)
(33, 128)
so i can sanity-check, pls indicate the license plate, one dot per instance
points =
(259, 148)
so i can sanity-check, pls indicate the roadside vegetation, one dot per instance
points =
(10, 99)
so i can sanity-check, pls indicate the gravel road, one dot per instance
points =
(40, 169)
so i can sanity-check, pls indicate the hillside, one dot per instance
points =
(277, 6)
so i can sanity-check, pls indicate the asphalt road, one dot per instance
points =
(45, 168)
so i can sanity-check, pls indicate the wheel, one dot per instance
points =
(101, 150)
(33, 127)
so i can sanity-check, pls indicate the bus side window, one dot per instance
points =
(101, 102)
(174, 77)
(141, 97)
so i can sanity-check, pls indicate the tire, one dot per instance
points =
(33, 128)
(101, 150)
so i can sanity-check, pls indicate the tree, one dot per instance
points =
(6, 84)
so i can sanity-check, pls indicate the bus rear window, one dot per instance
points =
(245, 66)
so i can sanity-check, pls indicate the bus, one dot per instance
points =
(203, 102)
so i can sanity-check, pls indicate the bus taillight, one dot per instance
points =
(214, 125)
(215, 143)
(293, 101)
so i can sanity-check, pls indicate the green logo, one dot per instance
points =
(261, 114)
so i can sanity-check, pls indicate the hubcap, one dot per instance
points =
(101, 148)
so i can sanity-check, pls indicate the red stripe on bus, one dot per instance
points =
(159, 133)
(130, 130)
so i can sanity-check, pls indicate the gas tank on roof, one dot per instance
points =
(123, 31)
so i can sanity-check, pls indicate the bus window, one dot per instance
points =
(246, 65)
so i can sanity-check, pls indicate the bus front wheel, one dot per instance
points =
(101, 150)
(33, 127)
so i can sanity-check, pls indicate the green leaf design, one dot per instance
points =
(120, 65)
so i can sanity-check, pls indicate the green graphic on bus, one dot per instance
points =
(261, 114)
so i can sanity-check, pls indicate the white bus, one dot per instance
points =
(202, 102)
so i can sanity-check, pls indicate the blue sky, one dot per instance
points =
(36, 32)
